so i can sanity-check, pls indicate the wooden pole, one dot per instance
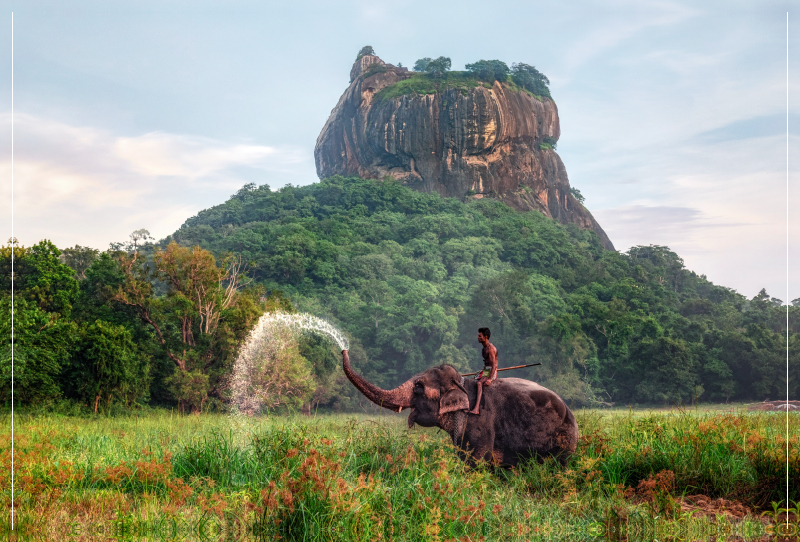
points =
(505, 368)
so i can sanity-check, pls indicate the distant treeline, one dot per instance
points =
(410, 277)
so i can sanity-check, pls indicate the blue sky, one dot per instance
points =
(139, 114)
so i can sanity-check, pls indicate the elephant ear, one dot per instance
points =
(454, 399)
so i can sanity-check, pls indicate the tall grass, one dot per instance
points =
(347, 477)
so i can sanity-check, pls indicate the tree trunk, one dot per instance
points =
(96, 401)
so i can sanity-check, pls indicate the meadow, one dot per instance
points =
(637, 475)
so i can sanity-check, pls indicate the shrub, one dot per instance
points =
(365, 51)
(270, 372)
(107, 366)
(576, 194)
(375, 69)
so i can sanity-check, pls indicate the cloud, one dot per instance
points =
(761, 126)
(631, 225)
(610, 30)
(721, 206)
(658, 216)
(739, 247)
(372, 13)
(84, 185)
(160, 154)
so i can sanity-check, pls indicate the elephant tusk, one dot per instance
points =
(399, 409)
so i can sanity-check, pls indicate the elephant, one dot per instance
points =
(518, 420)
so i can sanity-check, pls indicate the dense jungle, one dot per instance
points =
(409, 277)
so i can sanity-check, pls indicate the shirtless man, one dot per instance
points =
(489, 372)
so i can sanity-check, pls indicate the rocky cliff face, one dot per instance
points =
(458, 140)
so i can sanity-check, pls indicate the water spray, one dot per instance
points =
(306, 323)
(256, 378)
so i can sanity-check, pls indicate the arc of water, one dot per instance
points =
(307, 323)
(267, 338)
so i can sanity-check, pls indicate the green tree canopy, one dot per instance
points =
(421, 65)
(205, 313)
(489, 70)
(39, 276)
(43, 345)
(366, 50)
(410, 277)
(437, 67)
(108, 366)
(79, 258)
(531, 79)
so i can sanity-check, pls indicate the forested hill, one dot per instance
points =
(411, 276)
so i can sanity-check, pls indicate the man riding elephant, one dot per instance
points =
(489, 372)
(519, 419)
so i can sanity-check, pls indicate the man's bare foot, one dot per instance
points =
(474, 412)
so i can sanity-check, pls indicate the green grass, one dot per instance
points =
(421, 84)
(375, 68)
(359, 477)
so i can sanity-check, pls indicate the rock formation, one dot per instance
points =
(459, 142)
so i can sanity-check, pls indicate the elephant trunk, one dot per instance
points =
(396, 399)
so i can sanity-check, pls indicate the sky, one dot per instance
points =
(130, 115)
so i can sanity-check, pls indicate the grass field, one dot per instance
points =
(162, 476)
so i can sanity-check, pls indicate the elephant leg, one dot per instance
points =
(484, 454)
(473, 441)
(459, 432)
(487, 451)
(480, 441)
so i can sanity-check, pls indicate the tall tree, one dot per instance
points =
(138, 238)
(531, 79)
(108, 365)
(438, 67)
(79, 258)
(39, 276)
(489, 70)
(43, 346)
(421, 65)
(204, 314)
(45, 290)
